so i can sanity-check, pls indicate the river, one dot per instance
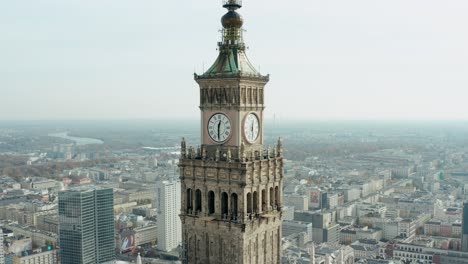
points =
(77, 140)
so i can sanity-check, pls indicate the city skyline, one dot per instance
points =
(344, 61)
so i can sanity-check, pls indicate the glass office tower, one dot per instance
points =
(465, 227)
(86, 226)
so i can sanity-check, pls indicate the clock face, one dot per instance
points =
(219, 127)
(251, 127)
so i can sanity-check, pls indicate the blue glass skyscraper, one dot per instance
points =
(465, 227)
(86, 226)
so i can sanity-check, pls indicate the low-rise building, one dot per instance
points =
(443, 229)
(39, 183)
(365, 249)
(353, 233)
(45, 255)
(295, 227)
(39, 238)
(426, 255)
(146, 234)
(48, 222)
(407, 229)
(300, 202)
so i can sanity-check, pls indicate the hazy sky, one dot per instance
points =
(341, 59)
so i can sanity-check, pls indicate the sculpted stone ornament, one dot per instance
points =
(232, 196)
(183, 148)
(204, 153)
(279, 147)
(217, 154)
(191, 153)
(228, 155)
(242, 152)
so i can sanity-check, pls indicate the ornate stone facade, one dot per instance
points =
(231, 209)
(231, 188)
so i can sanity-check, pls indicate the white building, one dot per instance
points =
(38, 256)
(300, 202)
(332, 200)
(351, 194)
(168, 207)
(288, 212)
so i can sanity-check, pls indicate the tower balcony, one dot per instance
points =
(246, 75)
(247, 169)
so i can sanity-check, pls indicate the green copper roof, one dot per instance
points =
(231, 61)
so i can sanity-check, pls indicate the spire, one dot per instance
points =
(232, 59)
(279, 147)
(183, 148)
(232, 25)
(204, 152)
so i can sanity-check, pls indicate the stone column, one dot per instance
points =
(193, 198)
(205, 200)
(218, 202)
(272, 202)
(260, 206)
(183, 205)
(229, 204)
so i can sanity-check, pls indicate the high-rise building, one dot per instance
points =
(465, 227)
(231, 185)
(169, 227)
(2, 253)
(86, 226)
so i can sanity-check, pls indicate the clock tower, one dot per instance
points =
(231, 184)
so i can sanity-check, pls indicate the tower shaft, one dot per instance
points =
(231, 185)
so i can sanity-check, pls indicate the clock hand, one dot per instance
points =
(219, 127)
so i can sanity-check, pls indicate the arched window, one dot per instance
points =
(211, 202)
(198, 201)
(224, 203)
(189, 200)
(264, 197)
(249, 203)
(277, 197)
(255, 202)
(234, 209)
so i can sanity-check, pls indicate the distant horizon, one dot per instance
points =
(327, 60)
(178, 119)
